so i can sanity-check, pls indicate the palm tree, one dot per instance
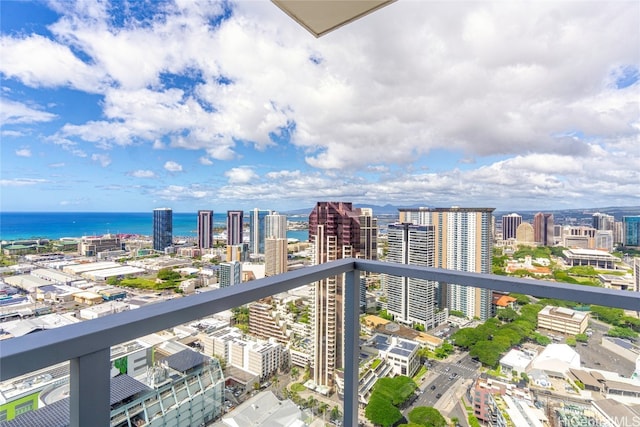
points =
(336, 413)
(312, 402)
(295, 372)
(322, 409)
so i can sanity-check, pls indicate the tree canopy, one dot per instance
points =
(427, 416)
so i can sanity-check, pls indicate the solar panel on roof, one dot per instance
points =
(185, 360)
(124, 386)
(53, 415)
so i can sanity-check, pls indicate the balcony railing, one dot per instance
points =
(86, 345)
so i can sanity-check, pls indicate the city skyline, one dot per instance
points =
(233, 105)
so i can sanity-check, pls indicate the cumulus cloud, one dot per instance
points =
(241, 175)
(48, 64)
(23, 152)
(12, 112)
(172, 166)
(141, 173)
(529, 100)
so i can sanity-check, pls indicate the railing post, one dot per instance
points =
(90, 389)
(352, 347)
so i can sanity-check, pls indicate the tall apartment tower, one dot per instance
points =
(412, 301)
(257, 230)
(162, 228)
(543, 228)
(463, 242)
(276, 244)
(368, 234)
(235, 222)
(229, 274)
(510, 224)
(603, 221)
(631, 230)
(275, 226)
(205, 229)
(275, 256)
(334, 233)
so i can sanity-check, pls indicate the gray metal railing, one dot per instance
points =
(87, 344)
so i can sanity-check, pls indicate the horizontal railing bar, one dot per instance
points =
(537, 288)
(25, 354)
(31, 352)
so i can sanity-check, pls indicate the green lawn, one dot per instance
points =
(297, 387)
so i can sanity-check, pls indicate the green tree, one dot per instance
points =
(113, 281)
(427, 416)
(168, 274)
(507, 314)
(571, 341)
(521, 299)
(620, 332)
(335, 414)
(540, 339)
(382, 412)
(582, 337)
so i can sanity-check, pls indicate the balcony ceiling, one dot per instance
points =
(322, 16)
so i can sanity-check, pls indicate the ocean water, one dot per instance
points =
(56, 225)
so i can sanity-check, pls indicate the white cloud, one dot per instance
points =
(23, 152)
(103, 159)
(12, 112)
(47, 64)
(179, 193)
(141, 173)
(241, 175)
(57, 165)
(172, 166)
(521, 97)
(21, 182)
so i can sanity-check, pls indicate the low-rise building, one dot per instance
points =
(93, 245)
(556, 360)
(264, 409)
(564, 320)
(592, 257)
(401, 354)
(104, 309)
(517, 361)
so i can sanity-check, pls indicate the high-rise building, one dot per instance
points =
(603, 221)
(368, 234)
(205, 229)
(525, 234)
(631, 229)
(162, 228)
(510, 224)
(334, 233)
(635, 265)
(257, 230)
(463, 242)
(412, 301)
(275, 256)
(275, 226)
(235, 223)
(229, 274)
(543, 228)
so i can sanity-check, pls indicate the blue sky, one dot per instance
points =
(129, 106)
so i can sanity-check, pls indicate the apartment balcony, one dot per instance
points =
(86, 345)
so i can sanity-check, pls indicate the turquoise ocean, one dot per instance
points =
(56, 225)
